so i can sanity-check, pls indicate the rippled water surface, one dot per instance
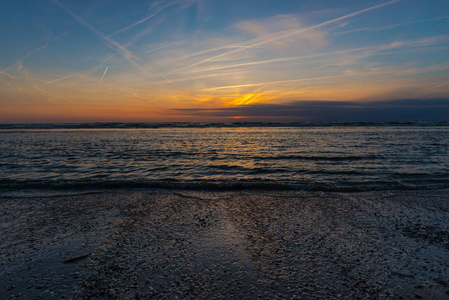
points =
(317, 158)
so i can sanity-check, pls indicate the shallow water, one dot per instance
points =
(340, 158)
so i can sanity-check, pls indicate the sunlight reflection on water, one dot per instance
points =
(332, 156)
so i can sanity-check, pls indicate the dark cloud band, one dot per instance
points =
(399, 109)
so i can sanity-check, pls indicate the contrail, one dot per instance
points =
(87, 73)
(125, 52)
(269, 83)
(20, 60)
(128, 55)
(59, 79)
(374, 29)
(403, 72)
(163, 46)
(35, 86)
(275, 60)
(145, 19)
(3, 72)
(434, 87)
(364, 52)
(104, 73)
(294, 33)
(252, 92)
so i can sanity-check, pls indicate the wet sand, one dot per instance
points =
(249, 244)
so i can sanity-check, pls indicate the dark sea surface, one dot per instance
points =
(305, 156)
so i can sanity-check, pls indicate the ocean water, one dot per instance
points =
(319, 157)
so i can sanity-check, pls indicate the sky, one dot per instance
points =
(223, 60)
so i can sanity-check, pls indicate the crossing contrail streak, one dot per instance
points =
(128, 55)
(102, 77)
(145, 19)
(59, 79)
(293, 33)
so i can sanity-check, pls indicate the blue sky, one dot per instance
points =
(178, 60)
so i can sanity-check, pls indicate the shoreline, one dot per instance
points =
(241, 244)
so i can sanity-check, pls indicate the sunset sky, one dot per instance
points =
(217, 60)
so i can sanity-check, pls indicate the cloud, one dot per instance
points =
(278, 36)
(381, 28)
(267, 29)
(155, 10)
(388, 110)
(19, 62)
(123, 50)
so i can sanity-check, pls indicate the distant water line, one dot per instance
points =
(143, 125)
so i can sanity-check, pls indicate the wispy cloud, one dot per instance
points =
(270, 83)
(279, 60)
(381, 28)
(284, 35)
(269, 28)
(349, 62)
(167, 45)
(200, 53)
(159, 7)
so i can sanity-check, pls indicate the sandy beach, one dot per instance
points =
(133, 244)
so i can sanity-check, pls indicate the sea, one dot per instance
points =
(340, 157)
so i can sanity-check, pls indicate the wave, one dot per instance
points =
(117, 125)
(319, 157)
(220, 185)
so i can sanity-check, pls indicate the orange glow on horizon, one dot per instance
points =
(89, 69)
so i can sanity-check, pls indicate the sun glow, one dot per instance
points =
(245, 99)
(143, 70)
